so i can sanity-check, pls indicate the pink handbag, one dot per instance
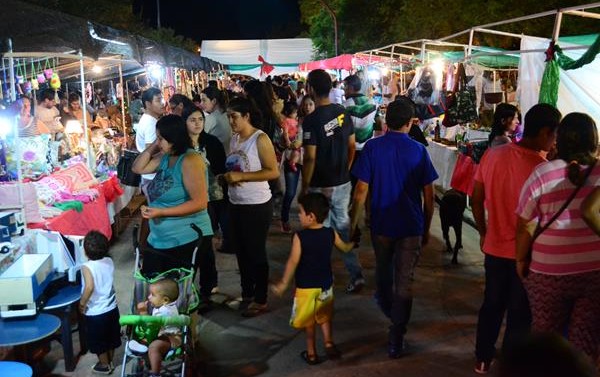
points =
(463, 176)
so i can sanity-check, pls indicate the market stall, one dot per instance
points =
(83, 61)
(57, 185)
(492, 76)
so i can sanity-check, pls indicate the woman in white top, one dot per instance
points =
(250, 164)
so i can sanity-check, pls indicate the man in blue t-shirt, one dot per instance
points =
(397, 171)
(328, 141)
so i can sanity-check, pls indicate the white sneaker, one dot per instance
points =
(136, 347)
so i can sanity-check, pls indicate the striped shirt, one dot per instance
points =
(568, 246)
(30, 129)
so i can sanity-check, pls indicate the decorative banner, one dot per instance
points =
(265, 68)
(556, 59)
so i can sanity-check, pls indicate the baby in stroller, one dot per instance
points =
(163, 340)
(163, 298)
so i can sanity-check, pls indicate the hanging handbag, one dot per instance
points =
(461, 101)
(425, 87)
(34, 83)
(55, 81)
(463, 175)
(19, 77)
(47, 71)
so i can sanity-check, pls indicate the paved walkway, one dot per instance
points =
(440, 335)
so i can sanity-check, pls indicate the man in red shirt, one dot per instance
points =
(501, 175)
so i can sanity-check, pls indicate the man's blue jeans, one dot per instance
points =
(395, 262)
(339, 219)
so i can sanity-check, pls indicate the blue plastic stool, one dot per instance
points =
(15, 369)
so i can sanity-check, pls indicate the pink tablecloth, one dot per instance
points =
(93, 217)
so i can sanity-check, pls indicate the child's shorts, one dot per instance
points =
(103, 331)
(311, 305)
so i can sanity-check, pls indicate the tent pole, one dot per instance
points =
(84, 110)
(13, 97)
(583, 14)
(401, 78)
(127, 91)
(490, 31)
(557, 25)
(122, 99)
(11, 78)
(471, 34)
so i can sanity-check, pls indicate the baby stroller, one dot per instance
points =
(178, 362)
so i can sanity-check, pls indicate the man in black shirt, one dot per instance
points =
(329, 147)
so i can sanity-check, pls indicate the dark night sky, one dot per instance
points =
(226, 19)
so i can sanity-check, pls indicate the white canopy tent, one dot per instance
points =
(578, 89)
(242, 56)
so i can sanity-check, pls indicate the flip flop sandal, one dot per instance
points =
(333, 353)
(254, 310)
(309, 359)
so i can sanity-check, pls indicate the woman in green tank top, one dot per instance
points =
(178, 195)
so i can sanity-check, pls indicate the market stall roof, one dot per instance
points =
(274, 51)
(251, 56)
(485, 56)
(35, 29)
(348, 61)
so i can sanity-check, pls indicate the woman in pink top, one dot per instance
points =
(562, 278)
(289, 126)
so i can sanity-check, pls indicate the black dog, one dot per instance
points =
(452, 207)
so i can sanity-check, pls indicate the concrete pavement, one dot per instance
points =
(440, 336)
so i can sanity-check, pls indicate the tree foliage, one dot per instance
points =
(368, 24)
(119, 15)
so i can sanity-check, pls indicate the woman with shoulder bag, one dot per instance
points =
(560, 263)
(178, 197)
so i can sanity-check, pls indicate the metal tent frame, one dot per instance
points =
(421, 45)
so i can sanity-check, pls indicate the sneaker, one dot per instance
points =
(396, 344)
(395, 349)
(482, 367)
(101, 369)
(285, 227)
(355, 286)
(214, 291)
(136, 347)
